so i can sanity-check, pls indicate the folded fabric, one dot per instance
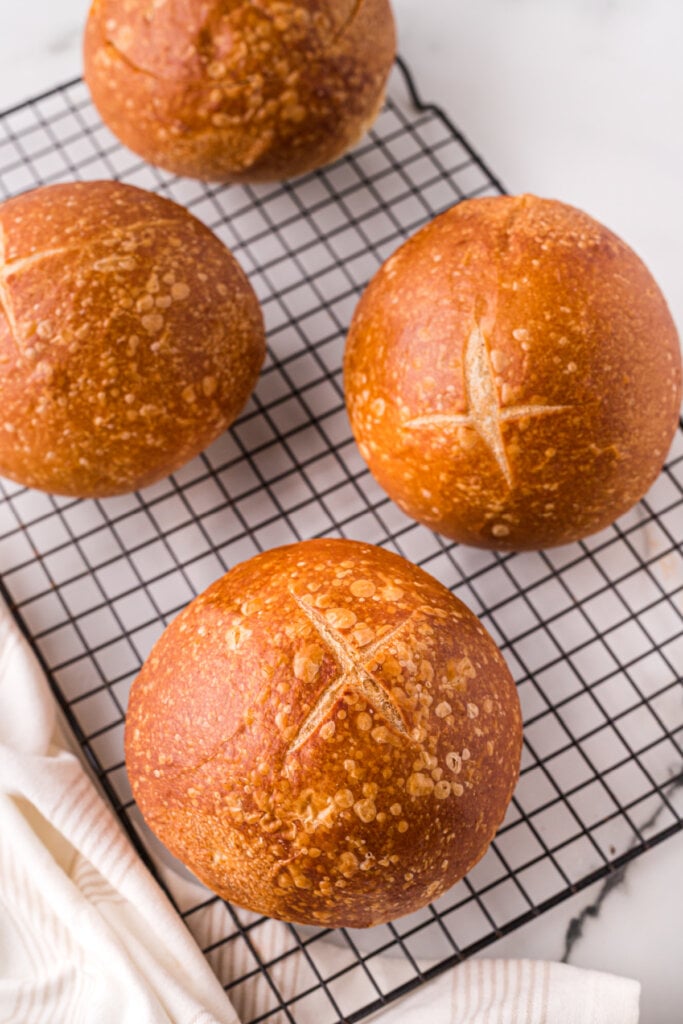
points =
(88, 937)
(523, 992)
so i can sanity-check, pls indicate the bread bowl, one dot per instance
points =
(513, 374)
(326, 735)
(129, 338)
(235, 91)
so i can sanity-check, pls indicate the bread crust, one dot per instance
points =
(237, 91)
(326, 735)
(129, 338)
(513, 374)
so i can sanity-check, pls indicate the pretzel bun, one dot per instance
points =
(233, 91)
(513, 374)
(326, 735)
(129, 338)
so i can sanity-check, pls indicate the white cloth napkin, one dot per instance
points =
(522, 992)
(87, 936)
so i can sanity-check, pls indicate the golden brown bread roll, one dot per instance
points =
(326, 735)
(129, 338)
(234, 91)
(513, 374)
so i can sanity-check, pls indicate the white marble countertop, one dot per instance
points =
(576, 99)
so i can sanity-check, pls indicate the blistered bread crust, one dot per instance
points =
(129, 338)
(230, 90)
(326, 735)
(513, 374)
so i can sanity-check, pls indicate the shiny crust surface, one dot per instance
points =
(513, 374)
(239, 91)
(326, 735)
(129, 338)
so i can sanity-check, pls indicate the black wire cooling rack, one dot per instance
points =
(593, 632)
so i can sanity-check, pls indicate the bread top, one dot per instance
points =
(229, 90)
(513, 374)
(326, 735)
(129, 338)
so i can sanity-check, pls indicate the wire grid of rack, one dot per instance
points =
(593, 632)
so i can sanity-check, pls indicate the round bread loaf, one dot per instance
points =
(326, 735)
(129, 338)
(233, 91)
(513, 374)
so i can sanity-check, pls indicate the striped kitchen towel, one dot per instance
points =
(87, 936)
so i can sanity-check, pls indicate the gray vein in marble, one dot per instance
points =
(575, 929)
(65, 41)
(576, 925)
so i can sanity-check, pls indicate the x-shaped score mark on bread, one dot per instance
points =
(6, 304)
(13, 267)
(111, 263)
(9, 268)
(484, 414)
(355, 675)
